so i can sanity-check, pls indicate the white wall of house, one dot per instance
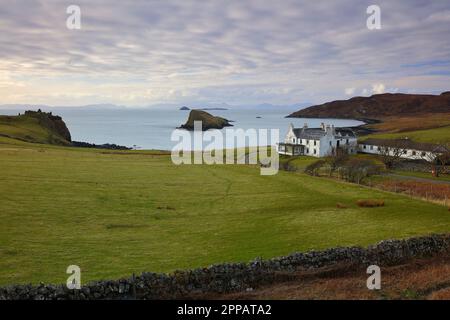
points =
(324, 146)
(411, 154)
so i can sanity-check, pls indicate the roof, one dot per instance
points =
(317, 133)
(406, 144)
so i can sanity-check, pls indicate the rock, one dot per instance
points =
(208, 121)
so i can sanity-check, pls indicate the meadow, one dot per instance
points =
(117, 213)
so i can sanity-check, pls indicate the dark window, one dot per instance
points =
(371, 147)
(413, 153)
(364, 146)
(423, 154)
(314, 151)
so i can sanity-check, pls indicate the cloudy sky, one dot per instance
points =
(242, 52)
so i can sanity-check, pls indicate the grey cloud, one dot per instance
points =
(225, 50)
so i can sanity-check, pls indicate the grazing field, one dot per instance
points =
(115, 213)
(435, 135)
(412, 123)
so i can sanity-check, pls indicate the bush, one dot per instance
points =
(313, 168)
(356, 170)
(341, 206)
(370, 203)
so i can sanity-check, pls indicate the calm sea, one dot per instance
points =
(152, 128)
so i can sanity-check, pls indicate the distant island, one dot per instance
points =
(208, 121)
(184, 108)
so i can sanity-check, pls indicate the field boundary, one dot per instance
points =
(233, 277)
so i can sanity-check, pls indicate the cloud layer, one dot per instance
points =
(239, 52)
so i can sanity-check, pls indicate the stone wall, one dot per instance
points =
(229, 277)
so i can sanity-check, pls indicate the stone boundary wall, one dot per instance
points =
(232, 277)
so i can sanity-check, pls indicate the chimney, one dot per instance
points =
(322, 126)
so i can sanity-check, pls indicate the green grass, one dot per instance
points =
(115, 213)
(436, 135)
(27, 128)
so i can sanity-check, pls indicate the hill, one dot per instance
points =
(35, 126)
(208, 121)
(379, 106)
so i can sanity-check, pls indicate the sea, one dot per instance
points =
(152, 128)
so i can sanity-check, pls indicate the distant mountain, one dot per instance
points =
(379, 106)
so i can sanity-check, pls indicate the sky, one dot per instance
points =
(286, 52)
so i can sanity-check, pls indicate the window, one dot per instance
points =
(364, 146)
(307, 150)
(314, 143)
(293, 140)
(423, 154)
(371, 147)
(346, 141)
(314, 150)
(405, 151)
(413, 153)
(331, 143)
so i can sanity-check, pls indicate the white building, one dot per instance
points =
(317, 142)
(403, 148)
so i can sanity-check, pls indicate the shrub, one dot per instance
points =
(356, 170)
(426, 190)
(313, 168)
(340, 205)
(370, 203)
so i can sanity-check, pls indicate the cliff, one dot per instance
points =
(35, 126)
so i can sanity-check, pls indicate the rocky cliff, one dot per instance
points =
(208, 121)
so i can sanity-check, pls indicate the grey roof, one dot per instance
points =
(317, 133)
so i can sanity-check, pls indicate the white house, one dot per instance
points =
(403, 148)
(317, 142)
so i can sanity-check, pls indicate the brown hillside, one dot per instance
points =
(379, 106)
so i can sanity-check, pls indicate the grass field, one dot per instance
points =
(437, 135)
(412, 123)
(115, 213)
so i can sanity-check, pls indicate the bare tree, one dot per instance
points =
(336, 159)
(356, 170)
(437, 158)
(391, 151)
(313, 168)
